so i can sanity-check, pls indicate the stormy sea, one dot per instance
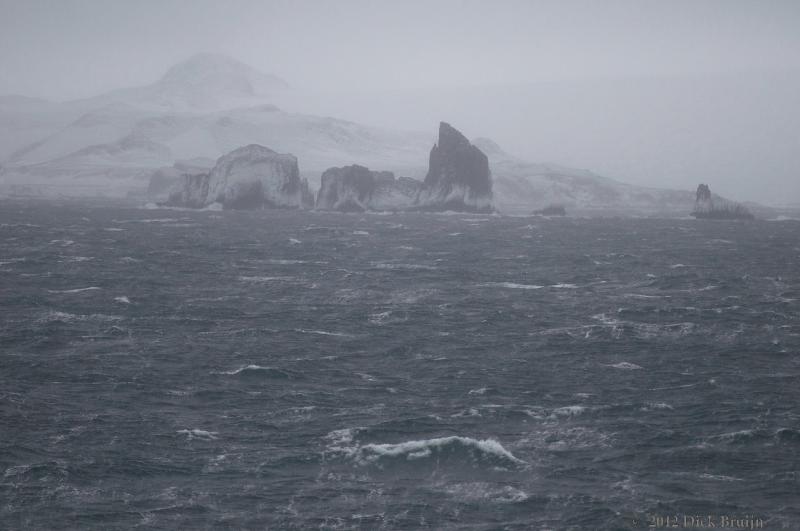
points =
(169, 369)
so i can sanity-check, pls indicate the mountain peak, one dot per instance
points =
(208, 67)
(208, 77)
(205, 82)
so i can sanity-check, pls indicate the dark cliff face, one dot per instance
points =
(191, 192)
(703, 193)
(456, 162)
(347, 189)
(458, 175)
(705, 206)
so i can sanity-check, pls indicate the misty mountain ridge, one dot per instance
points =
(211, 104)
(204, 82)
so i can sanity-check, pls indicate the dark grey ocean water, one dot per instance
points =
(283, 370)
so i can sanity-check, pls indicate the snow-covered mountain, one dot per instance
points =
(204, 82)
(210, 105)
(203, 107)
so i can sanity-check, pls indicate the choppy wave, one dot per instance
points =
(66, 317)
(509, 285)
(626, 366)
(475, 451)
(199, 434)
(259, 371)
(75, 290)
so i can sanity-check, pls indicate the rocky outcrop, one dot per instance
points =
(191, 192)
(251, 177)
(169, 179)
(458, 175)
(703, 202)
(357, 189)
(705, 207)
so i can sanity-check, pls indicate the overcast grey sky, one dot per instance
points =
(76, 48)
(658, 93)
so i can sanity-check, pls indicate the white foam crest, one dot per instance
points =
(264, 279)
(486, 491)
(412, 267)
(384, 318)
(471, 412)
(564, 286)
(370, 453)
(509, 285)
(149, 220)
(625, 365)
(122, 300)
(567, 411)
(250, 367)
(69, 317)
(656, 406)
(719, 477)
(284, 262)
(322, 332)
(294, 241)
(76, 290)
(199, 434)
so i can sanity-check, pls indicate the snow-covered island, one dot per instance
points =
(256, 177)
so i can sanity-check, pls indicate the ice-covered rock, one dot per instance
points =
(192, 191)
(168, 179)
(356, 189)
(458, 175)
(251, 177)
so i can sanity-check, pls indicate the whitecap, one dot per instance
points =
(148, 220)
(411, 450)
(264, 279)
(471, 412)
(285, 262)
(564, 286)
(486, 491)
(245, 368)
(70, 317)
(384, 318)
(199, 434)
(412, 267)
(719, 477)
(122, 300)
(360, 233)
(509, 285)
(322, 332)
(568, 411)
(626, 366)
(294, 241)
(76, 290)
(656, 406)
